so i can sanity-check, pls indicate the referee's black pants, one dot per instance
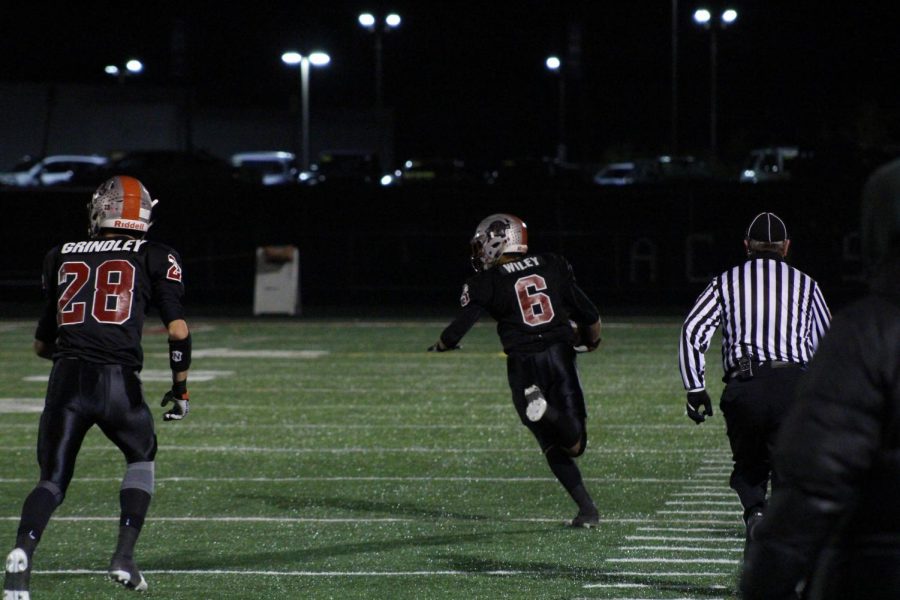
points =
(753, 410)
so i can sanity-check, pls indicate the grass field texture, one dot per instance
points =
(338, 459)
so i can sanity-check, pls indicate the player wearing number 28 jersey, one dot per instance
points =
(98, 292)
(535, 300)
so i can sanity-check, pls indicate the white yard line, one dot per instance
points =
(648, 586)
(664, 574)
(694, 512)
(361, 478)
(682, 548)
(297, 573)
(655, 560)
(688, 529)
(357, 450)
(705, 503)
(227, 519)
(665, 538)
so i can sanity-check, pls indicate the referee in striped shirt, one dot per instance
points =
(772, 318)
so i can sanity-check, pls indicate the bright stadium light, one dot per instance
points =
(131, 67)
(367, 20)
(703, 17)
(378, 26)
(554, 64)
(318, 59)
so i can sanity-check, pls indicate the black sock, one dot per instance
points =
(36, 512)
(134, 503)
(569, 476)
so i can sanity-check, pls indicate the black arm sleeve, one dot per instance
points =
(47, 328)
(463, 322)
(168, 290)
(582, 310)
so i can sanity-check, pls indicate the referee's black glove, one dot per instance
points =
(698, 406)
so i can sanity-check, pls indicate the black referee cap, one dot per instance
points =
(767, 227)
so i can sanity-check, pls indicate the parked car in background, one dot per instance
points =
(620, 173)
(338, 167)
(659, 169)
(58, 169)
(266, 167)
(777, 163)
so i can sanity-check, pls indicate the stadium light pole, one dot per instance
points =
(378, 27)
(317, 59)
(131, 67)
(704, 18)
(554, 64)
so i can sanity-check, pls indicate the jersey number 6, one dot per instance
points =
(113, 291)
(535, 305)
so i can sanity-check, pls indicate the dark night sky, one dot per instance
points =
(467, 78)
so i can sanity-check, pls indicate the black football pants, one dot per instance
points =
(754, 410)
(81, 394)
(555, 372)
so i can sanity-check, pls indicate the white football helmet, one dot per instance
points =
(121, 203)
(495, 236)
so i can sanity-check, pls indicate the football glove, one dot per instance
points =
(698, 406)
(439, 346)
(180, 404)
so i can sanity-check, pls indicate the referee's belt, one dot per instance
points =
(765, 365)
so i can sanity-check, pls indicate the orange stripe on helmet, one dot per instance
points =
(131, 198)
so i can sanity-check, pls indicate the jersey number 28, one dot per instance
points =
(535, 305)
(113, 292)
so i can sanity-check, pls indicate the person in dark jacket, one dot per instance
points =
(833, 527)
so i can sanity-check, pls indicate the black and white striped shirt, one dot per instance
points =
(767, 310)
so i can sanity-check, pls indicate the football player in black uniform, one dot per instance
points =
(535, 300)
(98, 292)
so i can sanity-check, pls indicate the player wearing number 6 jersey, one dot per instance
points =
(98, 292)
(535, 300)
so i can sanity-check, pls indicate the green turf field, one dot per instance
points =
(338, 459)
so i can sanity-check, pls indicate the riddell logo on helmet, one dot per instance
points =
(128, 225)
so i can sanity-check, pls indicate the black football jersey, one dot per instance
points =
(98, 293)
(532, 298)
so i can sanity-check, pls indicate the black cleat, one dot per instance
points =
(16, 583)
(123, 570)
(586, 519)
